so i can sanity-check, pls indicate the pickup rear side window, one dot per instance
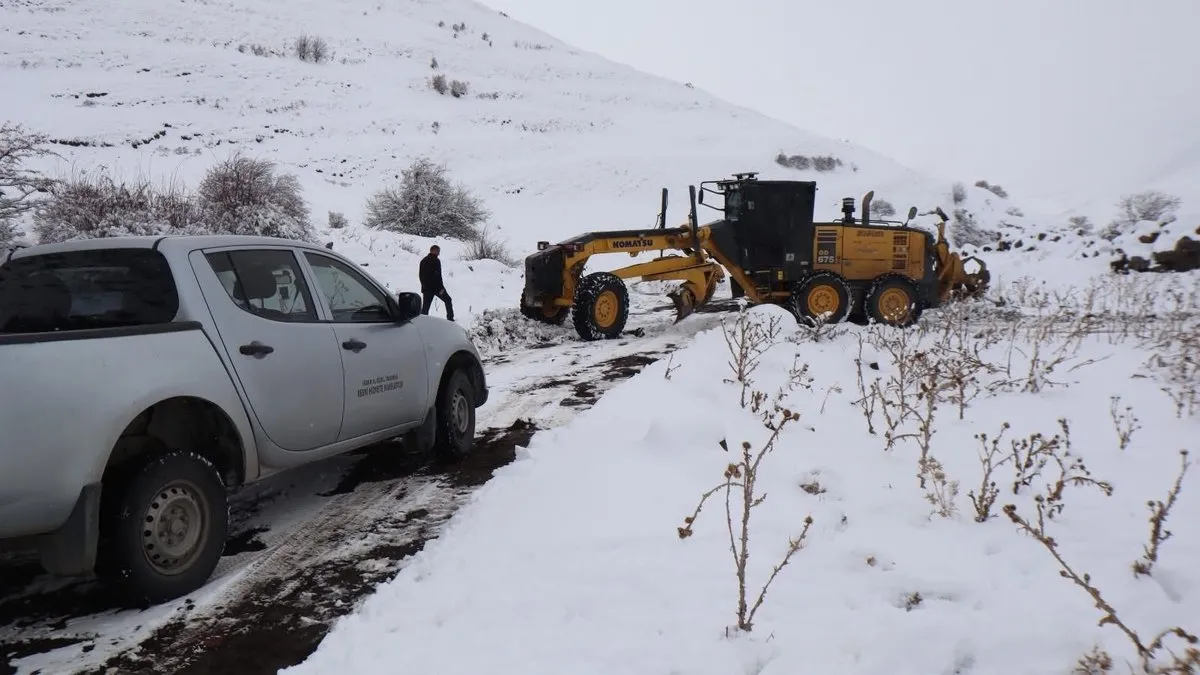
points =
(81, 290)
(266, 283)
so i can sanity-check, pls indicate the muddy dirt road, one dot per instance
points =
(308, 544)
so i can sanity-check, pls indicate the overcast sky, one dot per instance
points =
(1050, 98)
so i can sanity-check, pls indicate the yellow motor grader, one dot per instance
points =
(773, 251)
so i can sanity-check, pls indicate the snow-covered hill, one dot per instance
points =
(554, 141)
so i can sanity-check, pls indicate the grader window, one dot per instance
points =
(734, 203)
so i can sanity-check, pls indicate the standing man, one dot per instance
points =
(431, 282)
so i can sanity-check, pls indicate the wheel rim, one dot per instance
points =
(895, 305)
(174, 527)
(605, 309)
(460, 413)
(822, 299)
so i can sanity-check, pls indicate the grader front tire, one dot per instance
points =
(601, 306)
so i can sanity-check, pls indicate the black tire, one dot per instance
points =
(554, 316)
(888, 295)
(164, 521)
(455, 417)
(822, 292)
(601, 306)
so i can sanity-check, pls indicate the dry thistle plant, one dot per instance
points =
(747, 341)
(1124, 421)
(1032, 454)
(992, 458)
(743, 475)
(1158, 520)
(747, 344)
(1186, 662)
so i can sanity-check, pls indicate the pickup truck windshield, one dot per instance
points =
(79, 290)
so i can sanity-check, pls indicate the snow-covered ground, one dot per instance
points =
(572, 560)
(569, 559)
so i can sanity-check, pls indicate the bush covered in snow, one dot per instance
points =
(312, 49)
(245, 196)
(238, 196)
(96, 206)
(804, 163)
(882, 208)
(18, 183)
(427, 204)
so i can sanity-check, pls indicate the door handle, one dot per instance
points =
(256, 349)
(354, 345)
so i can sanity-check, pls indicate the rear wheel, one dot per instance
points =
(164, 520)
(601, 306)
(823, 293)
(893, 301)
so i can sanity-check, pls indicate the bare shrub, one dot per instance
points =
(337, 221)
(994, 189)
(1015, 212)
(1149, 205)
(93, 207)
(18, 183)
(1081, 224)
(427, 204)
(486, 247)
(245, 196)
(1158, 519)
(882, 208)
(747, 341)
(958, 192)
(438, 84)
(743, 474)
(458, 88)
(965, 230)
(312, 49)
(826, 163)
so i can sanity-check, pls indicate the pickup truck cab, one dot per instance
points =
(142, 379)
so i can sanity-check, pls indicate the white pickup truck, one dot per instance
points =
(142, 379)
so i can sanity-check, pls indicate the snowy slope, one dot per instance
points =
(555, 141)
(570, 560)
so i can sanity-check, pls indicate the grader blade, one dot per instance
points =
(684, 301)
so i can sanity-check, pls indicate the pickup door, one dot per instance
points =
(384, 363)
(287, 359)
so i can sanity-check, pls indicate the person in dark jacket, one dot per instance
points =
(431, 282)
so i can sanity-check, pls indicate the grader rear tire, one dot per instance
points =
(820, 293)
(893, 301)
(601, 306)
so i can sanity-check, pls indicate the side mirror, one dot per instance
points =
(409, 305)
(701, 195)
(912, 212)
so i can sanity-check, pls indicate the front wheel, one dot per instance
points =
(164, 520)
(455, 415)
(601, 306)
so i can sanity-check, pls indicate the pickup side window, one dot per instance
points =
(80, 290)
(352, 298)
(265, 283)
